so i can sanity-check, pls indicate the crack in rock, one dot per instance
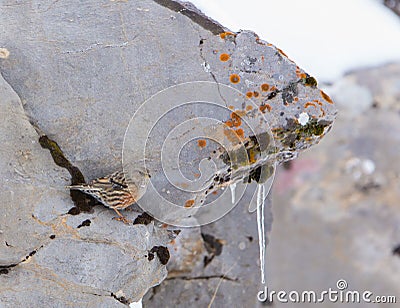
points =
(82, 201)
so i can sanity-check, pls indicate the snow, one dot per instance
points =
(233, 192)
(261, 228)
(326, 38)
(136, 304)
(303, 118)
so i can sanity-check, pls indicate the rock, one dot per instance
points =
(69, 79)
(217, 264)
(394, 5)
(348, 90)
(81, 71)
(338, 204)
(30, 184)
(44, 250)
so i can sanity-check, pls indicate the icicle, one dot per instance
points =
(233, 192)
(136, 304)
(261, 228)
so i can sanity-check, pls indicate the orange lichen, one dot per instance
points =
(236, 120)
(264, 107)
(296, 99)
(326, 97)
(282, 53)
(317, 101)
(265, 87)
(234, 78)
(256, 94)
(252, 156)
(201, 143)
(223, 35)
(189, 203)
(249, 94)
(240, 113)
(229, 123)
(240, 133)
(197, 175)
(215, 192)
(231, 107)
(273, 88)
(302, 75)
(308, 104)
(231, 135)
(224, 57)
(249, 107)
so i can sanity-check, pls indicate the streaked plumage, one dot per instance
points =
(112, 191)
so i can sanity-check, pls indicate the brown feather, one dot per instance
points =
(112, 191)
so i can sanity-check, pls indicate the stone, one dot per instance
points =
(228, 276)
(79, 72)
(44, 250)
(338, 204)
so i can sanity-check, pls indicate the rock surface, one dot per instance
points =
(45, 251)
(81, 79)
(336, 207)
(394, 5)
(79, 72)
(217, 264)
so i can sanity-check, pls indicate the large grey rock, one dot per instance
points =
(218, 265)
(81, 70)
(45, 251)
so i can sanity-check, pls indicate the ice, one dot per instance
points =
(233, 192)
(136, 304)
(261, 228)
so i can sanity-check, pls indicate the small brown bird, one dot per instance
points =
(112, 191)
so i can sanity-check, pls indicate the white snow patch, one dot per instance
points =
(303, 118)
(136, 304)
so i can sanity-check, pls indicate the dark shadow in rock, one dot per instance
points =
(162, 253)
(81, 200)
(213, 247)
(396, 250)
(143, 219)
(194, 14)
(85, 223)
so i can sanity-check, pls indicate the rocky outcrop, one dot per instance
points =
(74, 75)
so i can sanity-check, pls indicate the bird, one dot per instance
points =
(112, 191)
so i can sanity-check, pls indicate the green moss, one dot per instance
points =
(310, 129)
(295, 132)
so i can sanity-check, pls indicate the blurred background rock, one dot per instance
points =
(336, 209)
(393, 5)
